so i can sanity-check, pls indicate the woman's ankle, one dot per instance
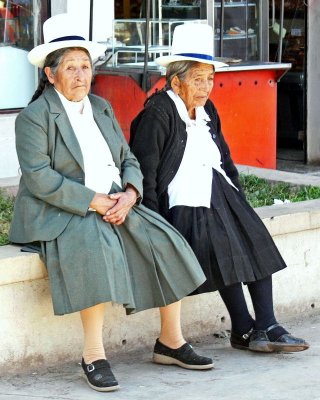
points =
(91, 356)
(173, 343)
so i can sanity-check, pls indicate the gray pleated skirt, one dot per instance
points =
(143, 263)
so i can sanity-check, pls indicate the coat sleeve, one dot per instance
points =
(42, 181)
(148, 137)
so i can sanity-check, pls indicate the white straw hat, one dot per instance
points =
(61, 31)
(192, 42)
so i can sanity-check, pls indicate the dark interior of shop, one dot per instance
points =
(291, 139)
(291, 88)
(128, 9)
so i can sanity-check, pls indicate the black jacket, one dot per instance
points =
(158, 139)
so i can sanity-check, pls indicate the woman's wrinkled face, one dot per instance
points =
(73, 76)
(196, 87)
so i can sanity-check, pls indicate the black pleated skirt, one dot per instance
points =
(229, 239)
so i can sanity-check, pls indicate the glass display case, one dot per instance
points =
(293, 33)
(236, 27)
(241, 26)
(240, 30)
(127, 46)
(182, 9)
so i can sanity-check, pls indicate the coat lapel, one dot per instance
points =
(64, 126)
(70, 138)
(105, 125)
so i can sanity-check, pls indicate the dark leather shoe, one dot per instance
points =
(99, 376)
(240, 342)
(259, 341)
(184, 357)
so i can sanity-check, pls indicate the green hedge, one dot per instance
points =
(259, 192)
(6, 209)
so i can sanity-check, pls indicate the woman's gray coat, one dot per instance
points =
(52, 188)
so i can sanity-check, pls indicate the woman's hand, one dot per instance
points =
(102, 203)
(124, 201)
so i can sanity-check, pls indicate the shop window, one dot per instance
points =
(19, 33)
(128, 8)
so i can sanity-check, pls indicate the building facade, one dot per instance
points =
(20, 30)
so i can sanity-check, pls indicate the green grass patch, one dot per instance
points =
(6, 210)
(260, 192)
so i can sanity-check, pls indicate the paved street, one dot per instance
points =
(238, 375)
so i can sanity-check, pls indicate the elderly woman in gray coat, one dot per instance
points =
(79, 196)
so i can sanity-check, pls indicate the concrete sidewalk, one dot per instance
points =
(238, 375)
(309, 177)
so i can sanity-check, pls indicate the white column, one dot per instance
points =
(313, 83)
(103, 15)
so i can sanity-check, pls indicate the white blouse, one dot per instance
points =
(99, 167)
(192, 183)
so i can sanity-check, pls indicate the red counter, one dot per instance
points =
(246, 99)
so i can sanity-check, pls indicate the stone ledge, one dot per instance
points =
(17, 266)
(31, 335)
(280, 220)
(291, 217)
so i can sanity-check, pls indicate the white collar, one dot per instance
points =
(201, 114)
(75, 107)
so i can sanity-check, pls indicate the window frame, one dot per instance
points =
(45, 13)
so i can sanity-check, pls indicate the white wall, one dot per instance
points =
(58, 6)
(313, 83)
(15, 92)
(9, 165)
(103, 14)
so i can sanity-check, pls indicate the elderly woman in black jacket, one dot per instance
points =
(190, 179)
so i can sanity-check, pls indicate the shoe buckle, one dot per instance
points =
(246, 336)
(90, 367)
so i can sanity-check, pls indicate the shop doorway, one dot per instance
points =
(291, 115)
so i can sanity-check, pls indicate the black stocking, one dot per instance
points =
(235, 302)
(262, 301)
(261, 296)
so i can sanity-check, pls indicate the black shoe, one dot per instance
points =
(184, 356)
(240, 342)
(259, 341)
(99, 376)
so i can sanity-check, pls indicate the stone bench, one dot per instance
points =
(30, 334)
